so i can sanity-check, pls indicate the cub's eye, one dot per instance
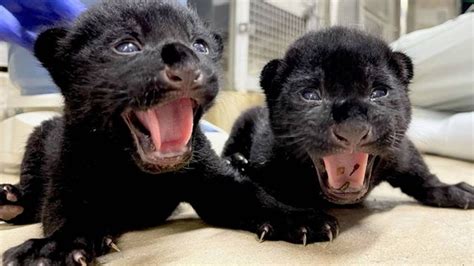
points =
(310, 95)
(201, 47)
(378, 93)
(127, 47)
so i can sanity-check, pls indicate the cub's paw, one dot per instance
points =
(238, 161)
(9, 202)
(460, 195)
(55, 251)
(301, 227)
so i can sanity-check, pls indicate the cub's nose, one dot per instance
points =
(178, 54)
(185, 77)
(182, 66)
(351, 135)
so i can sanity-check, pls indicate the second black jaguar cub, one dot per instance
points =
(334, 126)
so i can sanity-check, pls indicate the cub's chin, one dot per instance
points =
(162, 134)
(345, 177)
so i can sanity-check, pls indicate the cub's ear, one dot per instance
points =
(403, 66)
(47, 46)
(219, 42)
(268, 75)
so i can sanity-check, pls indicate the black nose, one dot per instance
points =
(182, 66)
(352, 134)
(178, 54)
(183, 77)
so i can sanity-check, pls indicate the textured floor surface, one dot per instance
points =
(390, 228)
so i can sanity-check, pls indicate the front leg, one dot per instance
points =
(223, 197)
(76, 233)
(75, 223)
(412, 176)
(61, 248)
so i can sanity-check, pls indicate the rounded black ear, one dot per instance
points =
(220, 43)
(403, 66)
(47, 44)
(268, 74)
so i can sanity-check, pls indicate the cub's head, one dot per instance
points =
(340, 97)
(149, 65)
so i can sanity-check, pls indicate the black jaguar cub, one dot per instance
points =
(136, 77)
(334, 125)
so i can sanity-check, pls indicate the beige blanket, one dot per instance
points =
(390, 228)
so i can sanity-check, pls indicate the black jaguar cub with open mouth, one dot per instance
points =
(136, 77)
(334, 124)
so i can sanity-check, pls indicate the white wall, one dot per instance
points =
(296, 7)
(3, 54)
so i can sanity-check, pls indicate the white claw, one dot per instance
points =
(114, 247)
(262, 236)
(82, 261)
(305, 237)
(466, 205)
(79, 258)
(328, 229)
(266, 229)
(110, 243)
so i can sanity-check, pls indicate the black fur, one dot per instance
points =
(342, 66)
(82, 176)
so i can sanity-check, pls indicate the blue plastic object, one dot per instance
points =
(207, 127)
(12, 31)
(21, 20)
(19, 23)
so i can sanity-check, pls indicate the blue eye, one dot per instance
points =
(310, 95)
(201, 47)
(378, 93)
(127, 47)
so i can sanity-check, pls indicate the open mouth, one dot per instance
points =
(345, 178)
(162, 134)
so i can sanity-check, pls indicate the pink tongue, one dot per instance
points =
(343, 168)
(170, 125)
